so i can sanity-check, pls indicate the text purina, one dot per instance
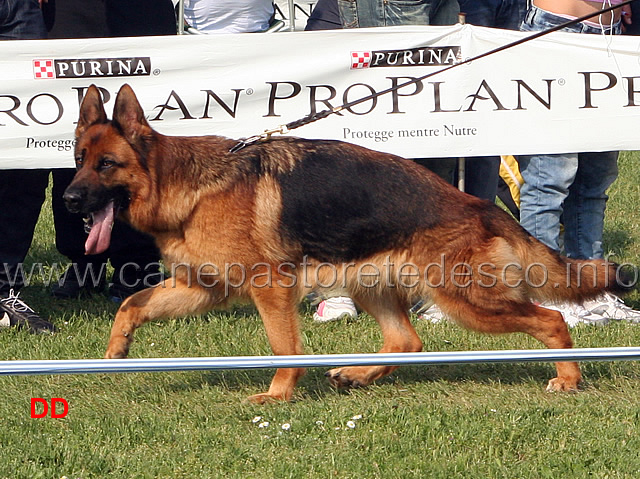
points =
(102, 67)
(415, 57)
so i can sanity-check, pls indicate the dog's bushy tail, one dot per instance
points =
(552, 277)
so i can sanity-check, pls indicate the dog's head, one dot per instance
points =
(110, 158)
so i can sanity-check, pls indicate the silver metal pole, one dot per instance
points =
(94, 366)
(462, 161)
(181, 17)
(292, 16)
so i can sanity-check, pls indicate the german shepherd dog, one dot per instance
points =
(281, 217)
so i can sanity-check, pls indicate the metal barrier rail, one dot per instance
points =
(92, 366)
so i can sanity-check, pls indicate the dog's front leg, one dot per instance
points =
(171, 298)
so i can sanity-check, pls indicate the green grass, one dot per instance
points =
(477, 421)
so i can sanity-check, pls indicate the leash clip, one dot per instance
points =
(282, 130)
(266, 135)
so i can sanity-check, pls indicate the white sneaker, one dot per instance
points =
(575, 314)
(332, 309)
(610, 306)
(433, 314)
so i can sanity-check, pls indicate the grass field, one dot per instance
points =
(476, 421)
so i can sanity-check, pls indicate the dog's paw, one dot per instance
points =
(118, 347)
(264, 398)
(352, 377)
(109, 355)
(113, 353)
(562, 385)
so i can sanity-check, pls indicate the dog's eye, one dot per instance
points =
(79, 161)
(106, 163)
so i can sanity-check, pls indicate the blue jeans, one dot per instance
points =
(381, 13)
(21, 19)
(566, 188)
(507, 14)
(569, 189)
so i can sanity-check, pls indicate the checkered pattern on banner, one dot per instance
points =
(360, 60)
(43, 69)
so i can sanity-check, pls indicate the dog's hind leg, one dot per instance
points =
(176, 299)
(545, 325)
(398, 336)
(278, 308)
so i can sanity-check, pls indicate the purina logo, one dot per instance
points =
(412, 57)
(91, 67)
(360, 60)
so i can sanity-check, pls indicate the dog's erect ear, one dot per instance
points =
(91, 110)
(129, 115)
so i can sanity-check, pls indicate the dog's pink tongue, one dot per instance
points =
(100, 234)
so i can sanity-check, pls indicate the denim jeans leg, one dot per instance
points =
(537, 19)
(480, 13)
(584, 208)
(21, 19)
(510, 14)
(547, 181)
(348, 13)
(444, 12)
(381, 13)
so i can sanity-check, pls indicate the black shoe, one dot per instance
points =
(15, 312)
(118, 292)
(72, 285)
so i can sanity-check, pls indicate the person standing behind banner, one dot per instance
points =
(22, 192)
(133, 255)
(332, 14)
(482, 172)
(570, 188)
(229, 16)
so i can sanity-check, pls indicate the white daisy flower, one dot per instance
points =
(351, 424)
(286, 426)
(256, 419)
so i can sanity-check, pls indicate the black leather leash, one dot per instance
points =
(284, 129)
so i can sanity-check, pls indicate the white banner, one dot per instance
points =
(563, 92)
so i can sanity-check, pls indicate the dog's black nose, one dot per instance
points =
(72, 200)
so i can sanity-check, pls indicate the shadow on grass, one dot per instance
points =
(314, 384)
